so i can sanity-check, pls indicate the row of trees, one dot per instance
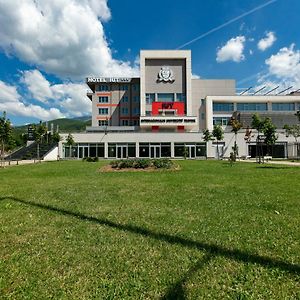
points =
(266, 135)
(264, 127)
(6, 138)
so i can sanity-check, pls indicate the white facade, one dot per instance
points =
(165, 110)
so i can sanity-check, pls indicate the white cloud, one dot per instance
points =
(233, 50)
(71, 97)
(11, 102)
(195, 76)
(285, 63)
(62, 37)
(8, 93)
(267, 42)
(283, 69)
(68, 97)
(37, 85)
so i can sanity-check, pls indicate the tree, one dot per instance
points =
(207, 136)
(70, 142)
(6, 139)
(39, 131)
(236, 125)
(218, 133)
(297, 114)
(257, 124)
(294, 131)
(268, 129)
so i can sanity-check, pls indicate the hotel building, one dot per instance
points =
(163, 113)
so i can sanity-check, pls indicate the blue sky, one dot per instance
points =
(48, 47)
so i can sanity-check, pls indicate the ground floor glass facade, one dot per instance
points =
(131, 150)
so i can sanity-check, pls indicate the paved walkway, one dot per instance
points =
(18, 162)
(275, 162)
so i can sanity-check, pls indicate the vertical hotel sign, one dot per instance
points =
(108, 79)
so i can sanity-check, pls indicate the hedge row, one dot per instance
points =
(142, 163)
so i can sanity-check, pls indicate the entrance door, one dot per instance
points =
(155, 151)
(122, 151)
(83, 151)
(191, 151)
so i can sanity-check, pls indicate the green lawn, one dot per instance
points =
(208, 231)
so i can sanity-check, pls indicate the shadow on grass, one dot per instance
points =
(177, 291)
(273, 167)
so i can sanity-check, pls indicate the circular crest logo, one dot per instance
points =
(166, 74)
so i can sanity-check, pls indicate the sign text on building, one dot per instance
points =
(108, 79)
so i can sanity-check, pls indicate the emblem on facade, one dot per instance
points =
(166, 74)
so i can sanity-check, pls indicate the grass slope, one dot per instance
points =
(209, 231)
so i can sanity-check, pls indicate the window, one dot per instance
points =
(123, 87)
(223, 121)
(148, 113)
(136, 87)
(283, 106)
(102, 87)
(252, 106)
(103, 122)
(124, 111)
(165, 97)
(136, 99)
(135, 122)
(136, 111)
(125, 122)
(103, 99)
(125, 99)
(103, 111)
(150, 98)
(218, 106)
(180, 97)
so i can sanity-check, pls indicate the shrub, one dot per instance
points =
(114, 164)
(163, 163)
(142, 163)
(90, 159)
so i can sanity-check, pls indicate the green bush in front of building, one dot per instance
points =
(90, 159)
(142, 163)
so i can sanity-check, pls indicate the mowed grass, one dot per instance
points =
(208, 231)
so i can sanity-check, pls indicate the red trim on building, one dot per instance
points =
(158, 107)
(155, 128)
(103, 94)
(180, 128)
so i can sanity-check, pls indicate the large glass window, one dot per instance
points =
(102, 87)
(180, 97)
(165, 97)
(136, 99)
(112, 150)
(103, 111)
(125, 99)
(165, 150)
(103, 122)
(220, 106)
(283, 106)
(103, 99)
(150, 98)
(144, 150)
(252, 106)
(124, 110)
(124, 87)
(136, 87)
(136, 111)
(223, 121)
